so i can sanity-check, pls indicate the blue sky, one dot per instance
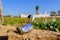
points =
(17, 7)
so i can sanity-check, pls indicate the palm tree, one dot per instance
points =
(58, 13)
(37, 7)
(1, 16)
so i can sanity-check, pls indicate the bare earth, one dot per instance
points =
(9, 33)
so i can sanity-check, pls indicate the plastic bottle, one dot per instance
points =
(24, 29)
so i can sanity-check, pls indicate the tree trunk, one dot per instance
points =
(1, 13)
(37, 12)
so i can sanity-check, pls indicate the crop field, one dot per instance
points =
(44, 29)
(52, 24)
(14, 21)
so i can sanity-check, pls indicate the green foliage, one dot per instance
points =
(4, 24)
(49, 25)
(14, 20)
(58, 13)
(53, 13)
(39, 23)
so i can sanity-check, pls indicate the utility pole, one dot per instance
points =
(1, 12)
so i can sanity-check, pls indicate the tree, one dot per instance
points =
(53, 13)
(37, 7)
(58, 13)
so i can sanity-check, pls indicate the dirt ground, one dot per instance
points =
(10, 33)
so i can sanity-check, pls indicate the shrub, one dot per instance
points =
(49, 25)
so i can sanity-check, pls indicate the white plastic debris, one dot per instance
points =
(26, 28)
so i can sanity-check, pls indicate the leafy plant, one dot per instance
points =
(49, 25)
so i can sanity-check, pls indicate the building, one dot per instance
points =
(24, 15)
(36, 16)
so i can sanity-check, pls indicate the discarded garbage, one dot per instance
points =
(31, 17)
(24, 29)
